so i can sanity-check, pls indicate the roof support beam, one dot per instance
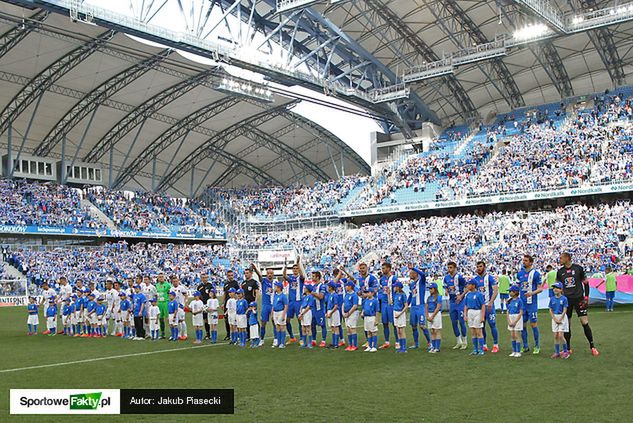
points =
(141, 112)
(284, 150)
(602, 39)
(92, 100)
(172, 134)
(447, 11)
(462, 100)
(326, 135)
(41, 82)
(217, 143)
(11, 38)
(546, 54)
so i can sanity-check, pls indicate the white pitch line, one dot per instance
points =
(90, 360)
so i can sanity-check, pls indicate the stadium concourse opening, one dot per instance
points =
(236, 207)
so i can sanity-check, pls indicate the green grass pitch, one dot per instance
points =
(324, 386)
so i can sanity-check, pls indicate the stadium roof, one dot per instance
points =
(407, 33)
(158, 113)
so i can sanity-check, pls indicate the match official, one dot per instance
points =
(205, 288)
(576, 289)
(250, 287)
(228, 284)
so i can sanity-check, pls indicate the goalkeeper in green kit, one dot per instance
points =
(162, 288)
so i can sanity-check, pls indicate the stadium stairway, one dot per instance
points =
(12, 271)
(351, 196)
(98, 214)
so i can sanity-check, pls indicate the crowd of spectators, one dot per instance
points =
(417, 171)
(585, 150)
(593, 146)
(120, 261)
(44, 204)
(290, 202)
(144, 211)
(594, 235)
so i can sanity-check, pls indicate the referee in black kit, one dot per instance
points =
(576, 289)
(205, 288)
(228, 284)
(250, 287)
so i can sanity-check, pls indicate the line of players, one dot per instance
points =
(346, 298)
(85, 312)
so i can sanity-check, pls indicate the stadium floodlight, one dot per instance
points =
(390, 93)
(602, 17)
(245, 88)
(547, 11)
(530, 32)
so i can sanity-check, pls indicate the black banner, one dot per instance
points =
(177, 401)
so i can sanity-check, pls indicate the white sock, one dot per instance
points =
(183, 329)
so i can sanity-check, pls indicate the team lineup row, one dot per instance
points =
(327, 304)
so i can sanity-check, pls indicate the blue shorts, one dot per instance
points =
(265, 314)
(294, 309)
(386, 311)
(417, 316)
(504, 296)
(530, 313)
(318, 318)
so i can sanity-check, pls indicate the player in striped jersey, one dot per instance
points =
(318, 314)
(417, 292)
(531, 285)
(295, 290)
(365, 281)
(487, 285)
(455, 286)
(266, 286)
(385, 299)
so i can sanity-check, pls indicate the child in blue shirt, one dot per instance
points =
(33, 320)
(253, 324)
(67, 312)
(351, 313)
(172, 311)
(333, 315)
(475, 310)
(280, 310)
(400, 305)
(515, 319)
(91, 315)
(241, 306)
(434, 317)
(371, 307)
(124, 307)
(305, 316)
(51, 317)
(558, 305)
(100, 310)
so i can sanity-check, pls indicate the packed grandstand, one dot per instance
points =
(547, 148)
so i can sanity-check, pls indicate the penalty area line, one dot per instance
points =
(90, 360)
